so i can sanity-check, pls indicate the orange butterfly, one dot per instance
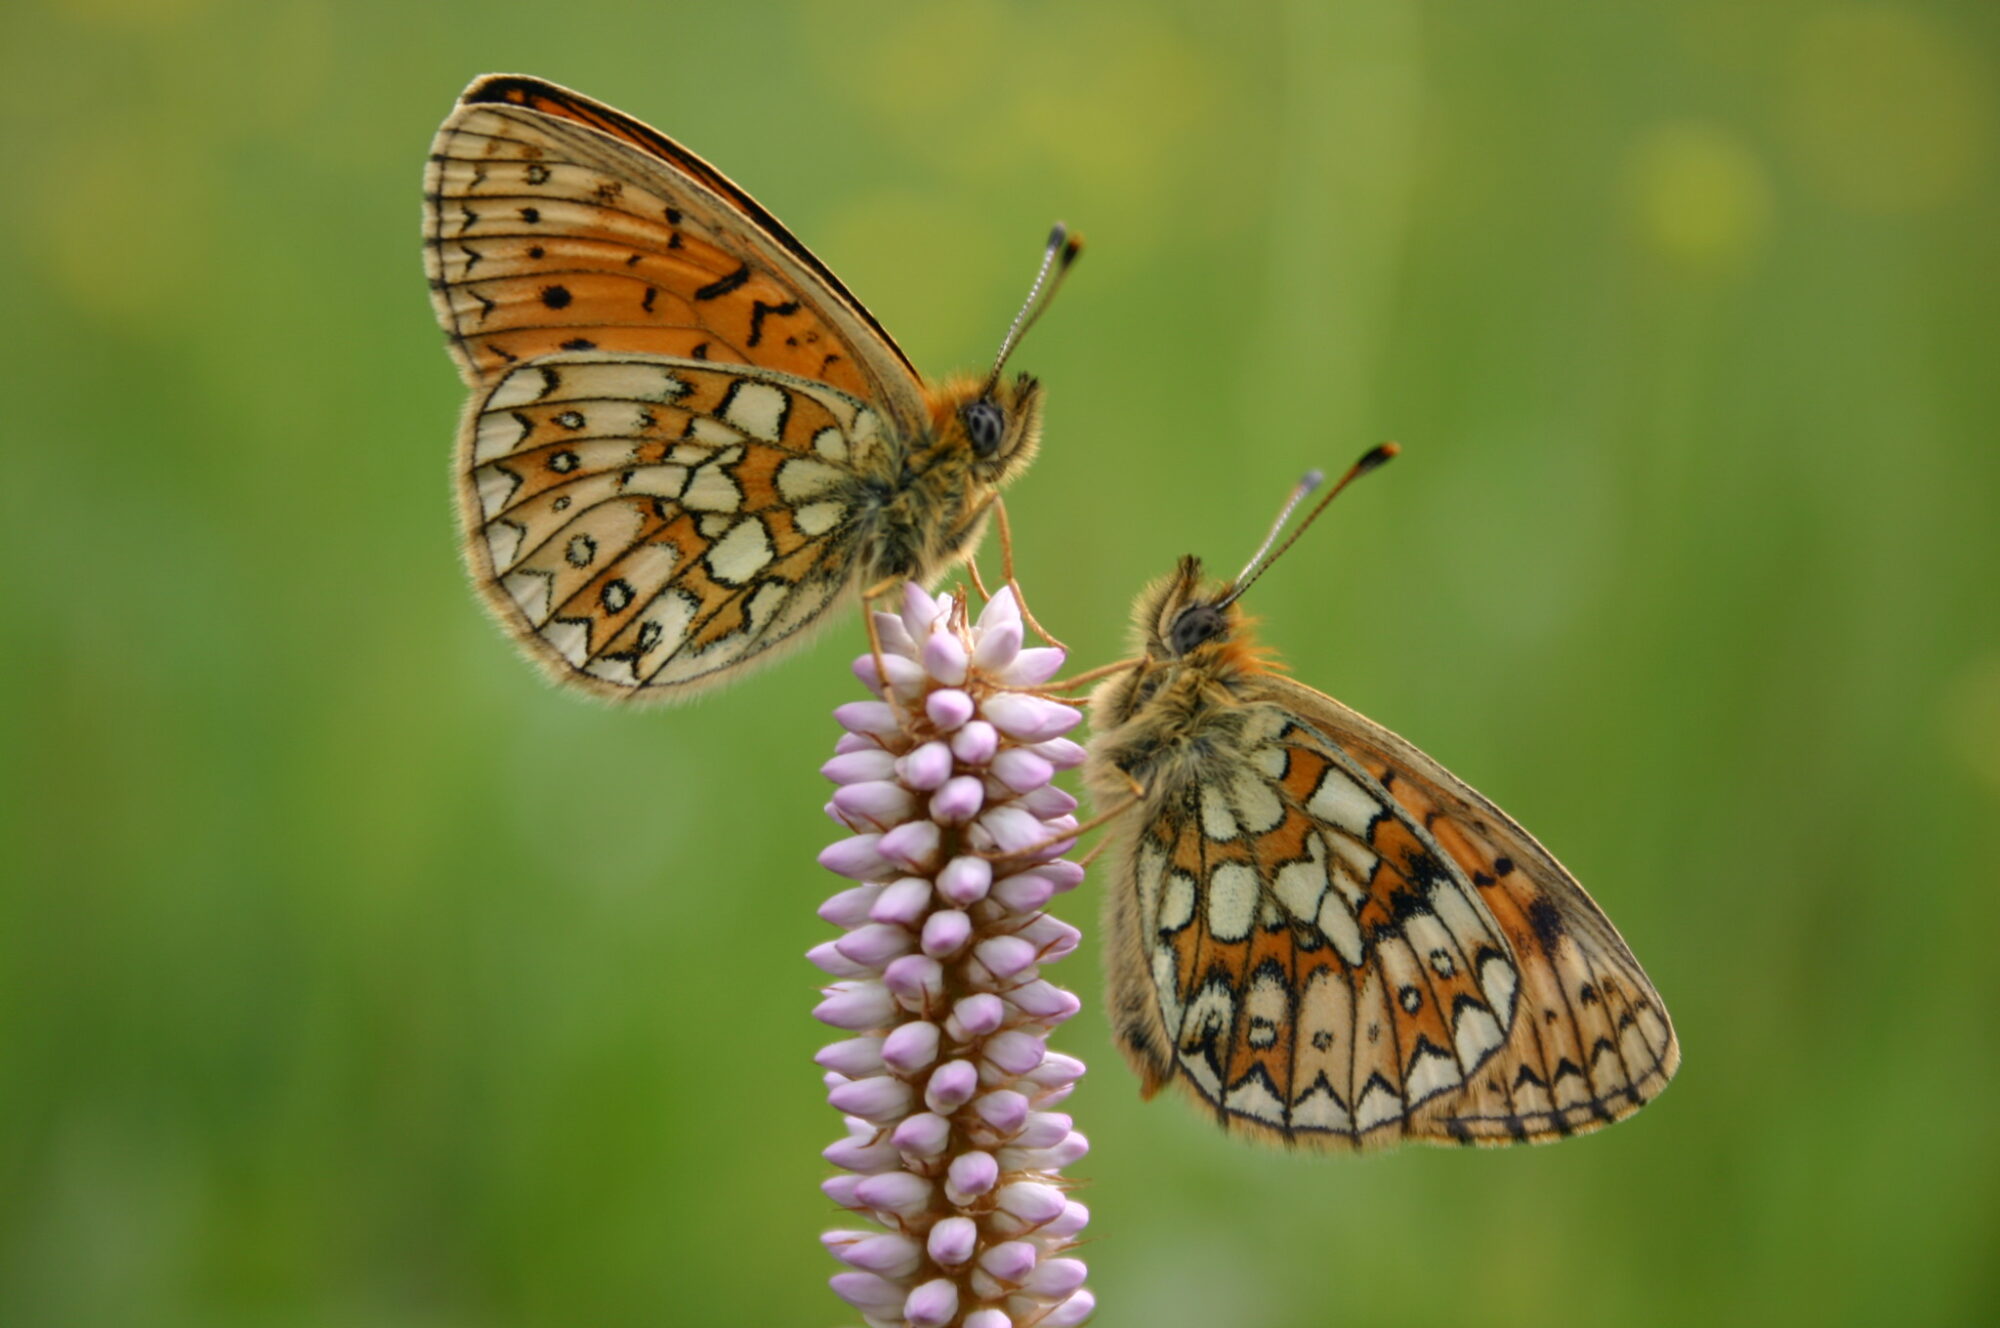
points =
(1324, 935)
(686, 440)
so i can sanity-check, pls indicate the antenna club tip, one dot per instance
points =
(1375, 457)
(1311, 480)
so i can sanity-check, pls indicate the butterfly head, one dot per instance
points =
(1186, 614)
(995, 425)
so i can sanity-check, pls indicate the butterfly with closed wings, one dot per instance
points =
(686, 441)
(1322, 934)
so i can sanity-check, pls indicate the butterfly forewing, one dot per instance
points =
(1592, 1042)
(554, 220)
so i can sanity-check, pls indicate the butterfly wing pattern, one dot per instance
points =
(656, 522)
(685, 438)
(1331, 941)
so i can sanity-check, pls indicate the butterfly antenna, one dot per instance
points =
(1062, 250)
(1259, 564)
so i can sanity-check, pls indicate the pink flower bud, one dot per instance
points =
(925, 767)
(998, 646)
(948, 708)
(1055, 1278)
(976, 742)
(971, 1175)
(879, 1098)
(856, 857)
(856, 767)
(1019, 769)
(853, 1057)
(882, 801)
(884, 1253)
(902, 902)
(1018, 715)
(849, 908)
(1011, 1262)
(1076, 1310)
(965, 880)
(910, 1047)
(975, 1016)
(877, 719)
(1004, 956)
(826, 957)
(912, 846)
(896, 1192)
(866, 1291)
(1033, 667)
(1031, 1201)
(915, 980)
(953, 1241)
(875, 944)
(958, 801)
(924, 1135)
(933, 1304)
(951, 1086)
(858, 1006)
(1003, 1109)
(945, 934)
(944, 658)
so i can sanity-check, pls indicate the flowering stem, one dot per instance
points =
(954, 1145)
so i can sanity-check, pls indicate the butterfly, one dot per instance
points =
(685, 441)
(1322, 934)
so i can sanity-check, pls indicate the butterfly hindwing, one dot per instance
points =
(648, 523)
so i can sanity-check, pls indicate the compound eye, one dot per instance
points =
(1197, 623)
(985, 424)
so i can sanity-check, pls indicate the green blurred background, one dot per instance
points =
(351, 977)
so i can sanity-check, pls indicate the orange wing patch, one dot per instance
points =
(534, 253)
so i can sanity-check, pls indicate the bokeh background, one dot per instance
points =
(350, 977)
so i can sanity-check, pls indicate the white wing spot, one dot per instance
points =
(1177, 903)
(1497, 979)
(757, 409)
(1232, 901)
(1377, 1106)
(1340, 801)
(712, 490)
(1258, 806)
(1340, 929)
(1299, 885)
(1166, 981)
(740, 554)
(1475, 1033)
(801, 479)
(818, 518)
(831, 443)
(1270, 761)
(1431, 1072)
(1216, 820)
(1254, 1098)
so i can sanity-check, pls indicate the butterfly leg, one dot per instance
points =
(1090, 676)
(868, 597)
(1069, 836)
(978, 583)
(1007, 573)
